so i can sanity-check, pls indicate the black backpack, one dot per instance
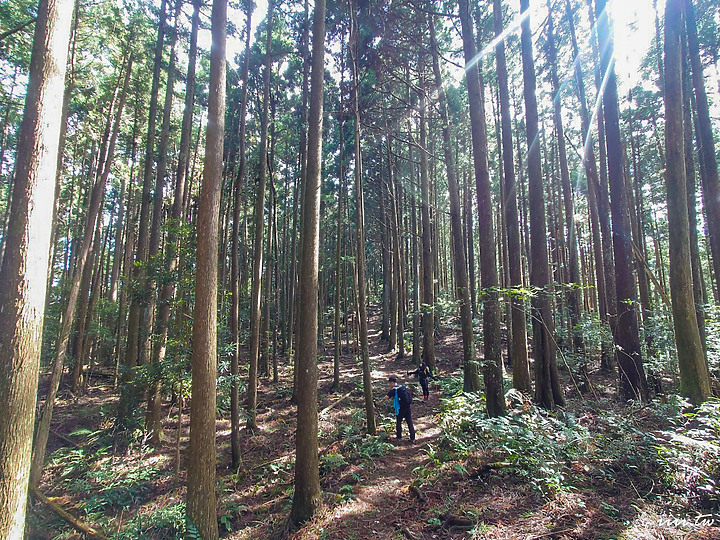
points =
(404, 396)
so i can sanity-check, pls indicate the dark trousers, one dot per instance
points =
(405, 414)
(424, 384)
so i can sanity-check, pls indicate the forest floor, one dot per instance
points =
(373, 487)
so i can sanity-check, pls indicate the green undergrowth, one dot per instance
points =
(664, 451)
(110, 488)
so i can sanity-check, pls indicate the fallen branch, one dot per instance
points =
(60, 511)
(336, 402)
(64, 438)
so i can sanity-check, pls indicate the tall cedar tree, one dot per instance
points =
(235, 256)
(492, 363)
(633, 384)
(361, 285)
(518, 346)
(694, 376)
(574, 294)
(23, 274)
(255, 315)
(427, 258)
(308, 496)
(201, 504)
(548, 392)
(471, 380)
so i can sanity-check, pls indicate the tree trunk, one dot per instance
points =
(518, 346)
(153, 416)
(255, 315)
(492, 362)
(96, 200)
(574, 293)
(471, 379)
(201, 505)
(708, 158)
(23, 273)
(632, 375)
(235, 268)
(694, 376)
(138, 306)
(547, 386)
(591, 172)
(308, 497)
(428, 259)
(361, 285)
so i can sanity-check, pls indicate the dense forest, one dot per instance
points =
(225, 225)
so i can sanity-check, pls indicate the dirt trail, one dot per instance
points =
(382, 505)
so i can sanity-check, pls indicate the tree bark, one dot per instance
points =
(23, 273)
(308, 497)
(708, 158)
(360, 266)
(574, 293)
(428, 259)
(201, 504)
(694, 376)
(235, 268)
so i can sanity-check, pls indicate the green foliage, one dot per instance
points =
(374, 447)
(118, 490)
(332, 461)
(690, 455)
(712, 331)
(164, 523)
(224, 385)
(531, 442)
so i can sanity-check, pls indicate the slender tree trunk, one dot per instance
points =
(308, 497)
(518, 346)
(235, 268)
(201, 505)
(255, 315)
(590, 164)
(471, 379)
(168, 289)
(361, 286)
(153, 416)
(694, 376)
(574, 295)
(603, 199)
(428, 260)
(339, 243)
(548, 392)
(699, 290)
(632, 375)
(23, 273)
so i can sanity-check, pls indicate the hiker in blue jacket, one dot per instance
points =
(402, 399)
(423, 373)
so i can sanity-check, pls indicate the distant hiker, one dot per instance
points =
(402, 399)
(423, 373)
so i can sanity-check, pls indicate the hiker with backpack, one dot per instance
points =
(423, 373)
(402, 400)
